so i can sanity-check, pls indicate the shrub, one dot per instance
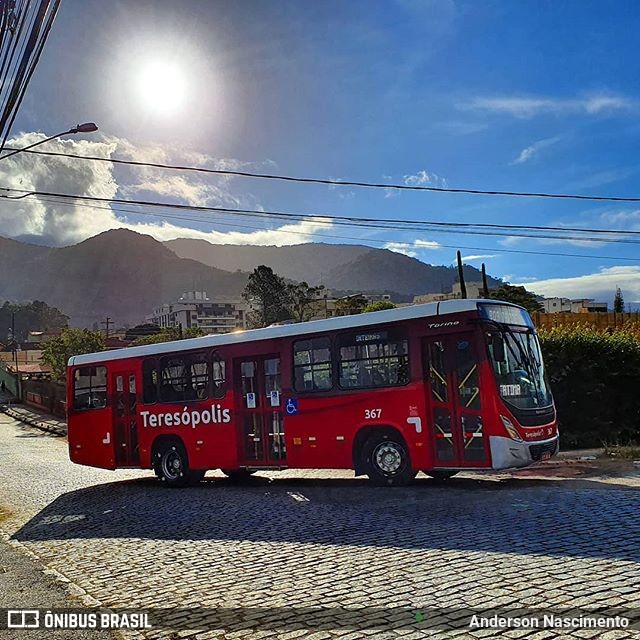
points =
(595, 379)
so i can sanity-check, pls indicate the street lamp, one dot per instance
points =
(87, 127)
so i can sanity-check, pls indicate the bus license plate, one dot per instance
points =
(546, 455)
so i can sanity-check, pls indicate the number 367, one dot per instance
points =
(372, 413)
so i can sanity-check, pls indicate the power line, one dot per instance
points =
(339, 183)
(235, 225)
(382, 223)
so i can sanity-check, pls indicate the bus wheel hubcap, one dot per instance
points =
(388, 457)
(172, 465)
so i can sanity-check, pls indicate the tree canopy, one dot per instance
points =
(72, 342)
(269, 296)
(380, 305)
(167, 335)
(31, 316)
(517, 295)
(351, 305)
(618, 301)
(303, 301)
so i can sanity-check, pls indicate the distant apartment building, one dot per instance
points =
(327, 303)
(194, 309)
(474, 290)
(566, 305)
(556, 305)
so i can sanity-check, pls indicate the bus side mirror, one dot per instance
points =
(497, 342)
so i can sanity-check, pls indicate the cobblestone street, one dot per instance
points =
(281, 548)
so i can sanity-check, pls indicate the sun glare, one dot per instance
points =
(162, 86)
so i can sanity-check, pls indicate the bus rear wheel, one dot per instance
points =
(171, 464)
(386, 460)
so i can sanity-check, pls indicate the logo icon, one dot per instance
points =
(23, 619)
(292, 406)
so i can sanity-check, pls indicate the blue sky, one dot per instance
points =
(529, 96)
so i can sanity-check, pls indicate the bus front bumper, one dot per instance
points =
(507, 453)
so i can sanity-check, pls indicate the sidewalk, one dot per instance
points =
(34, 417)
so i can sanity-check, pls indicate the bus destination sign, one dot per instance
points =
(505, 314)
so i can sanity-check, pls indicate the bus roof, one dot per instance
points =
(409, 312)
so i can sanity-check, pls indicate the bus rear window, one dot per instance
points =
(90, 388)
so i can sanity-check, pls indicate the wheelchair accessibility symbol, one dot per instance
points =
(291, 406)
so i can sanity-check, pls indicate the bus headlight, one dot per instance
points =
(511, 430)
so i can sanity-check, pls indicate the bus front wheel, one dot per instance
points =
(386, 460)
(171, 464)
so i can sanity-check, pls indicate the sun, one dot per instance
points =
(162, 87)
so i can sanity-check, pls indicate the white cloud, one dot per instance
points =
(411, 249)
(528, 107)
(529, 152)
(424, 178)
(478, 257)
(70, 221)
(600, 285)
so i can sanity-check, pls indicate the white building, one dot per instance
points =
(565, 305)
(194, 309)
(474, 290)
(556, 305)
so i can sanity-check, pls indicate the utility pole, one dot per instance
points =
(463, 286)
(485, 286)
(13, 337)
(107, 322)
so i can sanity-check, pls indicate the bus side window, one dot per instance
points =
(184, 378)
(312, 365)
(90, 388)
(219, 378)
(150, 381)
(371, 360)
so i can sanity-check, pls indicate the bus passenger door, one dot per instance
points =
(125, 426)
(453, 385)
(261, 426)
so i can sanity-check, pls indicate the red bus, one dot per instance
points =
(438, 387)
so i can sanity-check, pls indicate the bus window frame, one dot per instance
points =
(184, 355)
(210, 356)
(74, 409)
(156, 361)
(215, 355)
(333, 364)
(399, 329)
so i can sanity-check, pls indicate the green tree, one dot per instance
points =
(142, 330)
(31, 316)
(618, 301)
(350, 305)
(72, 342)
(269, 295)
(517, 295)
(381, 305)
(303, 300)
(168, 335)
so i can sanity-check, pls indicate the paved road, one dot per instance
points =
(23, 584)
(322, 555)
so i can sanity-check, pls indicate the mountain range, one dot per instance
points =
(342, 267)
(124, 275)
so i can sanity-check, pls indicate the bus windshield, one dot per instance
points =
(517, 363)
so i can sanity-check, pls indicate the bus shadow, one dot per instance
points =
(582, 518)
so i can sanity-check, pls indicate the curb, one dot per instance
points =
(34, 422)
